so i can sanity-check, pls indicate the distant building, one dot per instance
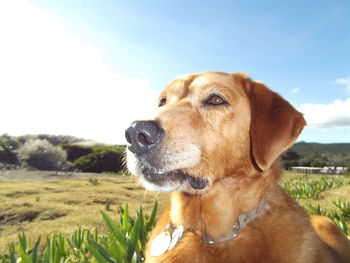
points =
(334, 170)
(341, 170)
(328, 170)
(307, 170)
(320, 170)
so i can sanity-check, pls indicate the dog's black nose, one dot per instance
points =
(143, 136)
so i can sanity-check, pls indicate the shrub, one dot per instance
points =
(42, 155)
(289, 159)
(75, 151)
(109, 160)
(7, 155)
(12, 141)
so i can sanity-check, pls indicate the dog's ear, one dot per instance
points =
(275, 124)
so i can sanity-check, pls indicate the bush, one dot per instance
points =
(11, 141)
(42, 155)
(6, 152)
(75, 151)
(108, 159)
(289, 159)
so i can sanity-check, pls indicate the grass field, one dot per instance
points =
(62, 204)
(40, 204)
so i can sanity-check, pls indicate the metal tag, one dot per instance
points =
(176, 236)
(160, 244)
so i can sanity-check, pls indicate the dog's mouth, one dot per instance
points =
(175, 177)
(164, 171)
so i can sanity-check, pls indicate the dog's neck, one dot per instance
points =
(215, 212)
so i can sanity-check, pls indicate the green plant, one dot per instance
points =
(290, 158)
(124, 242)
(100, 161)
(340, 217)
(75, 151)
(108, 206)
(7, 155)
(300, 188)
(93, 181)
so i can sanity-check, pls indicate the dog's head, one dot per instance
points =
(210, 126)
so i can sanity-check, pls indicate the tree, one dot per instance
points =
(290, 158)
(314, 160)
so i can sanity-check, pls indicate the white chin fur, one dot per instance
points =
(180, 158)
(157, 188)
(133, 163)
(187, 158)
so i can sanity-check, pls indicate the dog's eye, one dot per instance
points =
(162, 102)
(215, 100)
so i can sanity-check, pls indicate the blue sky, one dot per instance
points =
(300, 49)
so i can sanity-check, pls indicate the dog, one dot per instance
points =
(214, 143)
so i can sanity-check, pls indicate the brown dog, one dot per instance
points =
(214, 143)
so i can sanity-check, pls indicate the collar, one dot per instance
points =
(171, 235)
(242, 221)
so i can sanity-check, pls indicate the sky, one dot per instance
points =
(89, 68)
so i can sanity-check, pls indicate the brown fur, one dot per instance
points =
(239, 145)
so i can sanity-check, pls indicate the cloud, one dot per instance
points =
(333, 115)
(53, 82)
(344, 81)
(295, 91)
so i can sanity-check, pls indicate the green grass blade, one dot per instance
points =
(151, 220)
(134, 237)
(126, 219)
(142, 234)
(96, 249)
(23, 255)
(113, 228)
(22, 241)
(35, 250)
(96, 254)
(12, 253)
(119, 252)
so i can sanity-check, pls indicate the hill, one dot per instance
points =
(317, 155)
(307, 148)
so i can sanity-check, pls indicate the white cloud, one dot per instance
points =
(294, 91)
(52, 82)
(344, 81)
(333, 115)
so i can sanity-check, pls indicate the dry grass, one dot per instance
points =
(61, 205)
(40, 204)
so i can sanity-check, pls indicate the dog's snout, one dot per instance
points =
(143, 135)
